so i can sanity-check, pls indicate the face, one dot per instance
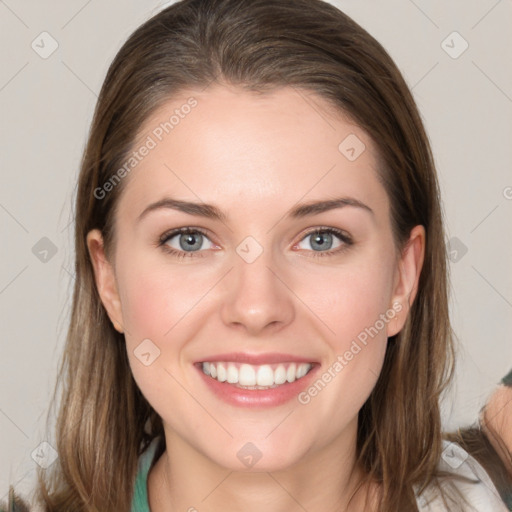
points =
(296, 301)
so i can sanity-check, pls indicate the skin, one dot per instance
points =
(496, 421)
(255, 157)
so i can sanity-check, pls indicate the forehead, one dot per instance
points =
(227, 145)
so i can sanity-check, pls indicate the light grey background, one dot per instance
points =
(46, 107)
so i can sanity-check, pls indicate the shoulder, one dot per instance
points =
(465, 477)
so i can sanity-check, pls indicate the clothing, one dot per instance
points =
(482, 495)
(140, 502)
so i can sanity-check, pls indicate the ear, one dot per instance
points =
(105, 278)
(406, 280)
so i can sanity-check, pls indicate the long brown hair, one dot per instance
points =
(104, 422)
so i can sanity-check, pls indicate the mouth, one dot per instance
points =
(257, 381)
(255, 377)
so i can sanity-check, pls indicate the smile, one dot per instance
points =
(248, 376)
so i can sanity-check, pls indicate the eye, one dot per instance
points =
(323, 241)
(190, 242)
(184, 242)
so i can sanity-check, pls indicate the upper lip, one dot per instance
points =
(256, 359)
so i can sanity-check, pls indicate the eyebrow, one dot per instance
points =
(212, 212)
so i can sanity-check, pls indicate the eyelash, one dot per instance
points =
(347, 241)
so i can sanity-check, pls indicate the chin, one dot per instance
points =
(256, 456)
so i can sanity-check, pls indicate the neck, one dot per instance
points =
(190, 481)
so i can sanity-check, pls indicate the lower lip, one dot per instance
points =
(257, 397)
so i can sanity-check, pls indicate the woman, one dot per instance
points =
(261, 289)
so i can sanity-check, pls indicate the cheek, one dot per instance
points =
(144, 299)
(156, 305)
(351, 300)
(155, 298)
(349, 374)
(356, 308)
(164, 305)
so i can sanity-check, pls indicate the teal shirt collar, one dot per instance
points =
(140, 502)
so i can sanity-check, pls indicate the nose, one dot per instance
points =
(258, 298)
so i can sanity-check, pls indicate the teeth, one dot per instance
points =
(221, 372)
(246, 376)
(301, 371)
(232, 374)
(280, 375)
(291, 373)
(256, 377)
(265, 376)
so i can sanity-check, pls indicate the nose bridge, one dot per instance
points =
(256, 296)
